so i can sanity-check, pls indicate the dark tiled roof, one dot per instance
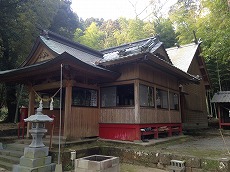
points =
(221, 97)
(128, 50)
(60, 48)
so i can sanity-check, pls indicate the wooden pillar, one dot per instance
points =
(137, 101)
(67, 114)
(169, 107)
(30, 108)
(219, 115)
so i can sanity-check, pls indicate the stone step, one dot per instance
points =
(9, 159)
(10, 155)
(15, 146)
(6, 165)
(13, 153)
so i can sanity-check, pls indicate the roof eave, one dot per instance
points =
(17, 75)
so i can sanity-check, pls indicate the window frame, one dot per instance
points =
(171, 94)
(153, 96)
(116, 97)
(85, 89)
(159, 90)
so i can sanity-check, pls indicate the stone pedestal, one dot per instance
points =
(36, 160)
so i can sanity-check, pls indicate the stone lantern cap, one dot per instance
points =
(38, 117)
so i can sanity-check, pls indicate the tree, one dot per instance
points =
(215, 35)
(65, 21)
(133, 30)
(184, 15)
(211, 21)
(18, 24)
(92, 37)
(164, 28)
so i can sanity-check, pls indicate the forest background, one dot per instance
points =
(21, 21)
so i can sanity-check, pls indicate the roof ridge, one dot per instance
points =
(130, 44)
(61, 39)
(182, 46)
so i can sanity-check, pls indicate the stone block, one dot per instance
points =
(160, 165)
(224, 164)
(188, 169)
(106, 164)
(129, 156)
(82, 163)
(193, 162)
(35, 162)
(165, 159)
(46, 168)
(36, 152)
(99, 163)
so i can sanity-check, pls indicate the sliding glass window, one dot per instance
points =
(162, 99)
(84, 97)
(115, 96)
(174, 101)
(146, 96)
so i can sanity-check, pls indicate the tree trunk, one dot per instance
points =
(11, 101)
(9, 63)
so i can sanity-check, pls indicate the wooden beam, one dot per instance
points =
(47, 86)
(137, 101)
(92, 86)
(131, 81)
(67, 114)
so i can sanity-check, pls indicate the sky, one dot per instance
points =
(113, 9)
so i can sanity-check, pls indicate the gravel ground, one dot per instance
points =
(200, 146)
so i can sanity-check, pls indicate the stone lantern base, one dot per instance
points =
(36, 160)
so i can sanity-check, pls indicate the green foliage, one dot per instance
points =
(92, 36)
(165, 30)
(113, 33)
(184, 14)
(65, 21)
(19, 23)
(211, 21)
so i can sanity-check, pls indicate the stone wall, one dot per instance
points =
(150, 159)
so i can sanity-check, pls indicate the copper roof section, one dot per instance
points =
(118, 53)
(221, 97)
(182, 56)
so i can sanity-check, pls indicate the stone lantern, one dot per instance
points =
(38, 127)
(36, 154)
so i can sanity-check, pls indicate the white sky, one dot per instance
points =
(113, 9)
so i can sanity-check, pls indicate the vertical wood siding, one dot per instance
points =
(83, 122)
(117, 115)
(195, 107)
(56, 113)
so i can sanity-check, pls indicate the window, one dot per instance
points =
(121, 95)
(84, 97)
(146, 96)
(108, 96)
(161, 99)
(174, 101)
